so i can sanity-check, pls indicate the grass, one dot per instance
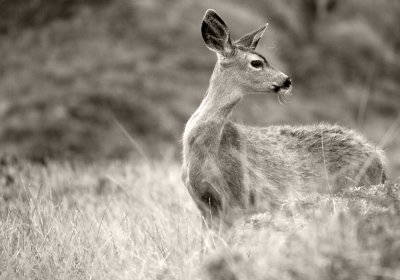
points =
(311, 240)
(101, 222)
(120, 220)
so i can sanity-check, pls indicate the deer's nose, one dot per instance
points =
(287, 83)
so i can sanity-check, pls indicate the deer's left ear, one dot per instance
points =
(216, 34)
(251, 40)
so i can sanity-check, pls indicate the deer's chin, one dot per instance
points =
(284, 94)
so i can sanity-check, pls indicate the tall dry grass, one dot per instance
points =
(112, 221)
(121, 220)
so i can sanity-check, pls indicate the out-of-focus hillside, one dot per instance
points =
(69, 81)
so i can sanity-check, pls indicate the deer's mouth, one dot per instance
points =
(283, 94)
(286, 85)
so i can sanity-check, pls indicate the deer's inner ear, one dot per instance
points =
(251, 39)
(216, 34)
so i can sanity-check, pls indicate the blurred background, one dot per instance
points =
(94, 80)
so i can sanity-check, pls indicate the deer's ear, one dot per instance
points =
(216, 34)
(251, 40)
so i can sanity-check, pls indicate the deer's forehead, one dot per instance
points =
(241, 58)
(253, 56)
(249, 56)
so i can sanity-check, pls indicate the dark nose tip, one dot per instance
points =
(287, 83)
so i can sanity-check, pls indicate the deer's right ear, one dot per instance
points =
(251, 40)
(216, 34)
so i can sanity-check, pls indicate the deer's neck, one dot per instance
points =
(206, 125)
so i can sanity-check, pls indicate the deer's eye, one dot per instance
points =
(256, 64)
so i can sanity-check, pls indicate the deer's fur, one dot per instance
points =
(231, 170)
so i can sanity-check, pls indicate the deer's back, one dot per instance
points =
(286, 156)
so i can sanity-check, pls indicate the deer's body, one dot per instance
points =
(231, 169)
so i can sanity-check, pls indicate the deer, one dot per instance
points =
(233, 170)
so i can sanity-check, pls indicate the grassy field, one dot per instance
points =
(121, 220)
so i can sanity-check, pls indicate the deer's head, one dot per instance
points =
(238, 62)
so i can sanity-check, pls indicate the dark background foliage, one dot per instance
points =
(77, 77)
